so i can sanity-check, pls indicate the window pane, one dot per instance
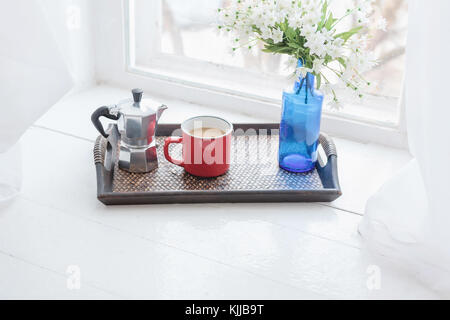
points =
(188, 30)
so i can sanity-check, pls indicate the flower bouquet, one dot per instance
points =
(319, 47)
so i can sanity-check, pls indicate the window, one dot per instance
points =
(178, 39)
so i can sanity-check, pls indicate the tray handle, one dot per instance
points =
(100, 150)
(328, 145)
(328, 170)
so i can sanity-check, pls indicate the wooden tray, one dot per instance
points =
(254, 175)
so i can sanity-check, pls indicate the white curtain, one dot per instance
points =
(409, 218)
(33, 77)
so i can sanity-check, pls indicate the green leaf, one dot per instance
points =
(330, 22)
(319, 81)
(295, 45)
(280, 48)
(285, 50)
(290, 33)
(324, 10)
(324, 15)
(342, 62)
(347, 35)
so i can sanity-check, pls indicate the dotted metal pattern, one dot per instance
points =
(254, 168)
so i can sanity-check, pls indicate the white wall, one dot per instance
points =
(72, 21)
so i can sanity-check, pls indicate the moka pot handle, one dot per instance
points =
(102, 112)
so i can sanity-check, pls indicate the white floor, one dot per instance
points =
(226, 251)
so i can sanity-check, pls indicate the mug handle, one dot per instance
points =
(167, 143)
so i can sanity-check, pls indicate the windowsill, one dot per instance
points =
(349, 124)
(375, 110)
(217, 251)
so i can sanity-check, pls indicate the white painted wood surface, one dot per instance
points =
(212, 251)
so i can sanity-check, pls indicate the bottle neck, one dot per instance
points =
(306, 83)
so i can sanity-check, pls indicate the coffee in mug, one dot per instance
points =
(207, 133)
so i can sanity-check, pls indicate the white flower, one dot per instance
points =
(335, 105)
(291, 63)
(318, 65)
(277, 36)
(308, 30)
(316, 44)
(266, 33)
(295, 20)
(327, 88)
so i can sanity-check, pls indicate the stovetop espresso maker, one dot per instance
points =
(137, 121)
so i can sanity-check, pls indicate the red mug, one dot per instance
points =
(204, 157)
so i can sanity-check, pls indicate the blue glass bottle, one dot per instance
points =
(300, 125)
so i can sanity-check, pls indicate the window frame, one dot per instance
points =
(121, 69)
